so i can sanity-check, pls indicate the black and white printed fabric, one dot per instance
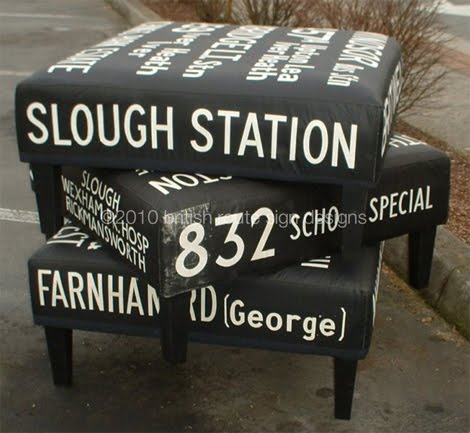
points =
(183, 231)
(322, 306)
(277, 103)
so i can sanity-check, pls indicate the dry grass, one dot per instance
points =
(268, 12)
(174, 10)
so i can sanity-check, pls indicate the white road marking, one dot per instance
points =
(22, 216)
(40, 16)
(448, 8)
(323, 263)
(315, 265)
(15, 73)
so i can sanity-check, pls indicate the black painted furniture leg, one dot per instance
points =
(354, 202)
(175, 322)
(345, 377)
(420, 252)
(48, 190)
(59, 345)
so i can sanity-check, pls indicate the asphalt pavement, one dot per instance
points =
(455, 15)
(415, 379)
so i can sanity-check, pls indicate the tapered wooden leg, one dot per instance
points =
(31, 178)
(48, 190)
(59, 345)
(420, 252)
(175, 322)
(345, 377)
(354, 202)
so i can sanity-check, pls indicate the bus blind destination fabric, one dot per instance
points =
(303, 104)
(183, 231)
(317, 307)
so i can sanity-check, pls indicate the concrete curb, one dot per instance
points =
(133, 11)
(449, 287)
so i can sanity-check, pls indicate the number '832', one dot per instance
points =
(195, 246)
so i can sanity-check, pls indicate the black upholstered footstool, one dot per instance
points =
(183, 231)
(324, 306)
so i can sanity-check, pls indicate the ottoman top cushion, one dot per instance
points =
(298, 104)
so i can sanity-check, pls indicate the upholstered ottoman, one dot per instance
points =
(183, 231)
(321, 113)
(297, 104)
(324, 306)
